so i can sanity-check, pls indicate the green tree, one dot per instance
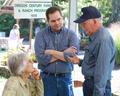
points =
(58, 2)
(6, 23)
(105, 7)
(24, 28)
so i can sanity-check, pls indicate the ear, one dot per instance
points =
(47, 22)
(95, 21)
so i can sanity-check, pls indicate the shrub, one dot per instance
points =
(32, 57)
(4, 72)
(5, 56)
(115, 31)
(4, 59)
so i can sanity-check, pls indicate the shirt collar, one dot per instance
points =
(61, 30)
(22, 82)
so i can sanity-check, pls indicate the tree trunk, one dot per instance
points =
(115, 17)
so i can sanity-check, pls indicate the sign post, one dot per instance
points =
(30, 35)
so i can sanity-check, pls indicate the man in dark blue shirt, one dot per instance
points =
(99, 56)
(52, 45)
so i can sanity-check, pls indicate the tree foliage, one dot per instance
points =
(103, 5)
(6, 23)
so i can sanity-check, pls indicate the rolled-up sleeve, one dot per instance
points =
(40, 48)
(74, 41)
(102, 68)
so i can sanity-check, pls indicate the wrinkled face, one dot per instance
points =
(28, 66)
(55, 21)
(88, 26)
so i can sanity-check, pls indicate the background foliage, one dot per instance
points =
(6, 23)
(105, 6)
(110, 10)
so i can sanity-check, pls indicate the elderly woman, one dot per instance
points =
(19, 84)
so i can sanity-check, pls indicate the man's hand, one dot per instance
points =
(74, 60)
(36, 74)
(72, 50)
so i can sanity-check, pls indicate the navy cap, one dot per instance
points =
(88, 13)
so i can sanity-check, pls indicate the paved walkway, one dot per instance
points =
(116, 82)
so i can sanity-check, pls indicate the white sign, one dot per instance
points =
(31, 9)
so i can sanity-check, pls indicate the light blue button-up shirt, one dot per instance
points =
(59, 41)
(99, 60)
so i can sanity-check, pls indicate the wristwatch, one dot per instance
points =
(66, 56)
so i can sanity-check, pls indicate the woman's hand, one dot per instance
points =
(36, 74)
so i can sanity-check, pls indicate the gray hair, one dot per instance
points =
(100, 20)
(16, 63)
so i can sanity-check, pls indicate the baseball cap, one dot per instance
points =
(89, 12)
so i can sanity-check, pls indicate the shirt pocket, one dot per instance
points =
(49, 44)
(64, 44)
(89, 56)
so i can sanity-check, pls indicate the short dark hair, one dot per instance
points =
(51, 10)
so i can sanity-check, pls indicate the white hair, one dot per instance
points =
(16, 63)
(99, 19)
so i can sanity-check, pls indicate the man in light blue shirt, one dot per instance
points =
(52, 45)
(99, 54)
